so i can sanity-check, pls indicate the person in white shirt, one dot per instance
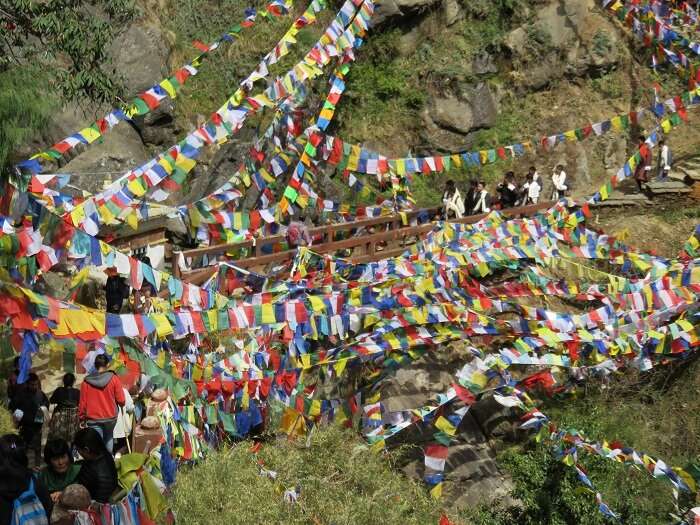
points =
(123, 426)
(663, 163)
(559, 183)
(532, 188)
(483, 199)
(452, 201)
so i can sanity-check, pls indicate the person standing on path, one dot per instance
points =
(64, 422)
(30, 406)
(664, 161)
(100, 395)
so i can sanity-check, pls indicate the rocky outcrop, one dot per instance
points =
(119, 151)
(451, 120)
(567, 37)
(141, 55)
(471, 472)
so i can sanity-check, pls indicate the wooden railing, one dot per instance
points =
(365, 248)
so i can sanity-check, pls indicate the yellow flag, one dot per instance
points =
(132, 220)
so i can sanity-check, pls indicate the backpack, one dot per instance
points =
(28, 509)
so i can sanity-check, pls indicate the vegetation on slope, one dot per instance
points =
(6, 424)
(656, 414)
(340, 481)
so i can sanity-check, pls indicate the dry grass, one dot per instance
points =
(340, 480)
(6, 424)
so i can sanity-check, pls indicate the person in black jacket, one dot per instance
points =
(116, 290)
(471, 198)
(98, 473)
(15, 477)
(27, 403)
(507, 191)
(64, 422)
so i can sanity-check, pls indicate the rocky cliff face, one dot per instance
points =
(460, 76)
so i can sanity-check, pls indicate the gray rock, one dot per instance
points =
(475, 108)
(567, 37)
(141, 56)
(582, 171)
(391, 9)
(409, 42)
(159, 128)
(452, 114)
(120, 150)
(384, 11)
(453, 12)
(484, 64)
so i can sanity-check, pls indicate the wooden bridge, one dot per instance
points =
(396, 233)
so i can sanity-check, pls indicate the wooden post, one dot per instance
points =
(174, 263)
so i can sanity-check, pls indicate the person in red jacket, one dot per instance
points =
(100, 395)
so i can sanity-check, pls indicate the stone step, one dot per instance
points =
(692, 163)
(618, 198)
(680, 175)
(691, 173)
(612, 203)
(667, 186)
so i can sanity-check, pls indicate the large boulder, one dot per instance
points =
(120, 150)
(141, 55)
(471, 472)
(567, 37)
(451, 120)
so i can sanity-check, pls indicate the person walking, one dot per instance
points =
(23, 497)
(116, 290)
(64, 421)
(531, 189)
(29, 407)
(643, 169)
(664, 161)
(559, 183)
(297, 234)
(59, 471)
(98, 473)
(100, 395)
(507, 191)
(470, 198)
(452, 201)
(483, 199)
(123, 428)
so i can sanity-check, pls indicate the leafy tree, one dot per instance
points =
(70, 38)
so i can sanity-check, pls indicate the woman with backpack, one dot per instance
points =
(24, 499)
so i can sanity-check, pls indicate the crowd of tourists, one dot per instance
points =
(509, 193)
(87, 427)
(515, 191)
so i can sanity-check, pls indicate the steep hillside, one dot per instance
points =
(434, 76)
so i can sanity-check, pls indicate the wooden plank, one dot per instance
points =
(139, 240)
(324, 231)
(367, 242)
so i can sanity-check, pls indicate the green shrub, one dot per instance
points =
(340, 480)
(25, 107)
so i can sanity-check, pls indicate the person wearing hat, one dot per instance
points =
(116, 290)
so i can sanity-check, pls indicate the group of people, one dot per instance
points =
(643, 172)
(85, 423)
(509, 193)
(117, 291)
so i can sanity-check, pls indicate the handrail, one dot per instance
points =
(370, 242)
(326, 232)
